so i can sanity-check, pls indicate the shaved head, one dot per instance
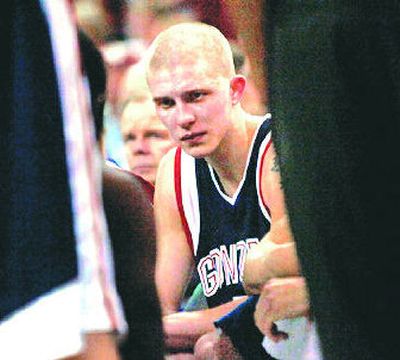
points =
(190, 43)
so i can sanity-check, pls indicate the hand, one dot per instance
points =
(283, 298)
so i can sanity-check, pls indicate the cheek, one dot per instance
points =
(167, 118)
(127, 146)
(215, 109)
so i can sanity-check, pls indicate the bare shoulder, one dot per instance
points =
(165, 206)
(271, 163)
(271, 184)
(165, 173)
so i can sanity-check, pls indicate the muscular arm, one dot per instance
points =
(174, 261)
(275, 255)
(174, 267)
(272, 268)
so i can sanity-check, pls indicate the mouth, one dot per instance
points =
(193, 137)
(142, 168)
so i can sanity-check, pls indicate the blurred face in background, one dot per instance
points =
(146, 139)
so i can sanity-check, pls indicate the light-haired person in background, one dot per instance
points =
(146, 139)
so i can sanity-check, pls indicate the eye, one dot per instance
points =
(129, 137)
(164, 103)
(154, 135)
(195, 95)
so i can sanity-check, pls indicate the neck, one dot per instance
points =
(229, 161)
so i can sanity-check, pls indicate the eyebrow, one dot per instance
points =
(195, 89)
(161, 98)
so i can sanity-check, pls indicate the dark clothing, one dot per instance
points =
(240, 327)
(37, 243)
(334, 79)
(225, 223)
(228, 225)
(130, 221)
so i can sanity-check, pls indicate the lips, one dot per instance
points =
(143, 168)
(193, 136)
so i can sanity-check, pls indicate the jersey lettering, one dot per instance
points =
(209, 276)
(222, 266)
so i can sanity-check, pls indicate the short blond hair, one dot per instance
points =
(189, 43)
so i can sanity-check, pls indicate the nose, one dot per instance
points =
(184, 115)
(140, 146)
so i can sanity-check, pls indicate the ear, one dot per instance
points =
(238, 84)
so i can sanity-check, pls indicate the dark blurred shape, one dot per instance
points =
(334, 79)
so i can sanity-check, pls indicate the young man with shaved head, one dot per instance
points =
(219, 192)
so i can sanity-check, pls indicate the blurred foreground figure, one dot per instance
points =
(57, 294)
(334, 78)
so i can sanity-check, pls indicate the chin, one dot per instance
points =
(197, 152)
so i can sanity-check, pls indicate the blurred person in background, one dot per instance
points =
(146, 139)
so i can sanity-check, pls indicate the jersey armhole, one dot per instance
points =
(261, 157)
(178, 195)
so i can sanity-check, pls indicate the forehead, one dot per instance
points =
(139, 116)
(179, 77)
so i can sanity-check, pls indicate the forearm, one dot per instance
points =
(182, 329)
(272, 261)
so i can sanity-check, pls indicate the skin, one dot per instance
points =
(273, 271)
(274, 256)
(281, 298)
(197, 98)
(146, 139)
(98, 346)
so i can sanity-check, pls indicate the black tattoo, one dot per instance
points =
(275, 167)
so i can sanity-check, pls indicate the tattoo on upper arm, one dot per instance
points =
(275, 166)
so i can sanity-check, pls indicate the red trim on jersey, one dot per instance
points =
(178, 195)
(147, 186)
(260, 175)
